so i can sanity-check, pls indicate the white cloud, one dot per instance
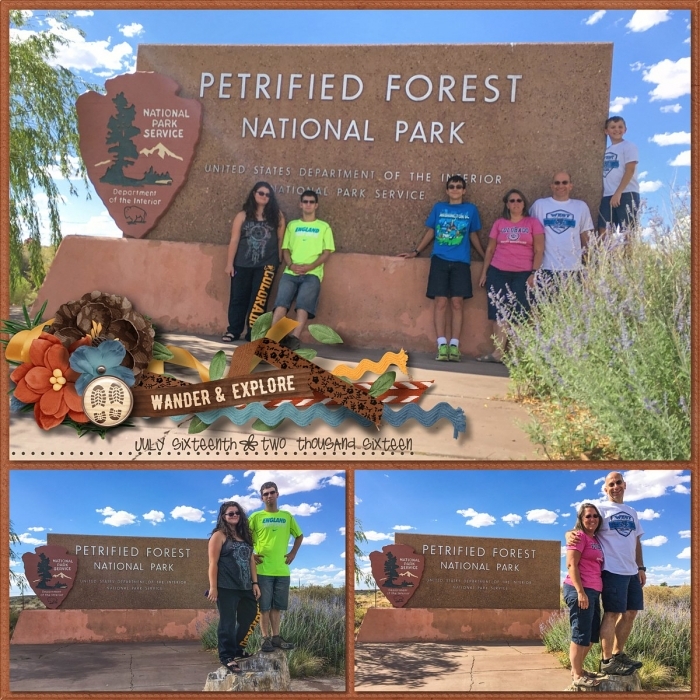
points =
(677, 138)
(357, 501)
(192, 515)
(329, 567)
(650, 185)
(26, 538)
(682, 159)
(671, 108)
(595, 17)
(680, 488)
(404, 527)
(228, 479)
(646, 19)
(116, 518)
(374, 536)
(475, 519)
(542, 516)
(667, 574)
(648, 514)
(154, 516)
(672, 79)
(341, 530)
(652, 483)
(248, 503)
(303, 509)
(293, 481)
(131, 30)
(36, 529)
(637, 65)
(565, 515)
(619, 103)
(84, 13)
(685, 534)
(99, 225)
(313, 577)
(314, 538)
(685, 554)
(512, 519)
(642, 175)
(563, 550)
(581, 486)
(342, 555)
(655, 541)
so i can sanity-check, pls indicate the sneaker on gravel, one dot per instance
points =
(627, 660)
(454, 353)
(281, 643)
(615, 667)
(267, 645)
(443, 354)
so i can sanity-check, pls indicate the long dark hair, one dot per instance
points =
(241, 529)
(271, 213)
(506, 197)
(579, 517)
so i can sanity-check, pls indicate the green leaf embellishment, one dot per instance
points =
(197, 425)
(217, 366)
(382, 384)
(306, 353)
(161, 352)
(259, 425)
(261, 326)
(324, 334)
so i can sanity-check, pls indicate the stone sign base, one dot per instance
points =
(58, 626)
(263, 672)
(372, 301)
(451, 625)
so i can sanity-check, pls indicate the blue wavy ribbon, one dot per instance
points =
(335, 416)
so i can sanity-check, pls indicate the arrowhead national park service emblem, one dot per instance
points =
(137, 143)
(50, 573)
(397, 569)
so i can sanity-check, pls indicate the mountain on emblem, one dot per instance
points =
(138, 142)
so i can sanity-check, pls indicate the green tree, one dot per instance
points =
(43, 136)
(360, 538)
(15, 578)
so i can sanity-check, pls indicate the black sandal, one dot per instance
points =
(232, 666)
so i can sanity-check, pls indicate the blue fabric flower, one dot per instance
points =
(105, 359)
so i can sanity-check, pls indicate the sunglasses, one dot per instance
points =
(589, 517)
(268, 493)
(560, 182)
(513, 201)
(455, 187)
(232, 514)
(308, 201)
(263, 194)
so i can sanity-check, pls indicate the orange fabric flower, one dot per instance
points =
(48, 382)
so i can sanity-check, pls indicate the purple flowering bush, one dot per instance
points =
(612, 346)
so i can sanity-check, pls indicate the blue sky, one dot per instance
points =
(650, 79)
(179, 503)
(525, 504)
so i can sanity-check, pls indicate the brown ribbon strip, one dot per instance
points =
(208, 396)
(353, 397)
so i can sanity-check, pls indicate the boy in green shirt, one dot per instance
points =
(308, 243)
(271, 529)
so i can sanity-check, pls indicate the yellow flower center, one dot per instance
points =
(57, 380)
(96, 330)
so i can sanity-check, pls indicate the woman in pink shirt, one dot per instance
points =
(513, 254)
(582, 587)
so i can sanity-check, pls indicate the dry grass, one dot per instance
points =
(364, 600)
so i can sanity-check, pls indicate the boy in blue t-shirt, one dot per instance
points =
(454, 225)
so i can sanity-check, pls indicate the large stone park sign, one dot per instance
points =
(376, 130)
(121, 588)
(457, 588)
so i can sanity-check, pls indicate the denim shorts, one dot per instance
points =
(585, 624)
(624, 215)
(496, 281)
(305, 288)
(274, 592)
(622, 593)
(448, 278)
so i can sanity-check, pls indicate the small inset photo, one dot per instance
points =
(522, 580)
(153, 581)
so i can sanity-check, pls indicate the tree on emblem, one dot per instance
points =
(391, 569)
(44, 568)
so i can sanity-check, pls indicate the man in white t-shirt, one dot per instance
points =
(567, 225)
(624, 576)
